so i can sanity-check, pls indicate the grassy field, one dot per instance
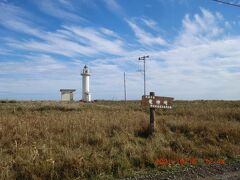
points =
(55, 140)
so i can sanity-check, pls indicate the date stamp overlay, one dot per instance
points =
(187, 161)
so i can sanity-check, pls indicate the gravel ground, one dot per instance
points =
(229, 171)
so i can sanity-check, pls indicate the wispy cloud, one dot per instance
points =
(67, 40)
(98, 41)
(201, 28)
(17, 19)
(5, 51)
(63, 10)
(109, 32)
(150, 23)
(145, 37)
(73, 41)
(114, 7)
(31, 65)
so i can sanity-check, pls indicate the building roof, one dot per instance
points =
(67, 90)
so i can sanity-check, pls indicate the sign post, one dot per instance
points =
(152, 117)
(154, 102)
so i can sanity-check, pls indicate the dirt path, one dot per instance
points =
(209, 172)
(228, 176)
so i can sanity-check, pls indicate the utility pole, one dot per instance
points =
(143, 58)
(125, 91)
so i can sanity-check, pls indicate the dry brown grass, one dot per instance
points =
(53, 140)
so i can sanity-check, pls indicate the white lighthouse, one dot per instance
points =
(86, 96)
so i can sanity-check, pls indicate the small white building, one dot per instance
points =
(67, 94)
(86, 95)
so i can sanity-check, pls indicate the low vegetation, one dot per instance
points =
(56, 140)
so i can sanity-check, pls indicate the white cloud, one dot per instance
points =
(201, 63)
(67, 40)
(98, 41)
(54, 45)
(5, 51)
(201, 28)
(109, 32)
(31, 65)
(113, 6)
(73, 41)
(15, 18)
(145, 37)
(63, 10)
(150, 23)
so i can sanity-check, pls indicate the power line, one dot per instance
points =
(227, 3)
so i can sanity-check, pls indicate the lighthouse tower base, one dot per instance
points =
(87, 97)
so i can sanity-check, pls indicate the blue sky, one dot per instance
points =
(194, 48)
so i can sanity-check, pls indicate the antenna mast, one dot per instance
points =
(143, 58)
